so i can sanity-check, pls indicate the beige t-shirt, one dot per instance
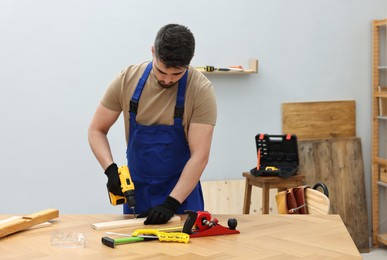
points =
(157, 105)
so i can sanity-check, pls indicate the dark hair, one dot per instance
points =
(174, 45)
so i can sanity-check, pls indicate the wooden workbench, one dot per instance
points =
(261, 236)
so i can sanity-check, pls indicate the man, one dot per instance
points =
(169, 110)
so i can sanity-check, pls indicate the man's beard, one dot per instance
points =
(163, 85)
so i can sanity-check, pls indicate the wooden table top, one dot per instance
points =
(261, 237)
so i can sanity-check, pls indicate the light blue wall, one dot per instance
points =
(57, 57)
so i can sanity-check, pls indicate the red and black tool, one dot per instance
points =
(200, 224)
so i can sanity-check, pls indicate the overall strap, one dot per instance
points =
(179, 108)
(133, 106)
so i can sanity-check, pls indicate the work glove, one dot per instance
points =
(162, 213)
(114, 183)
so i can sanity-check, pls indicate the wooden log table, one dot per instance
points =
(261, 237)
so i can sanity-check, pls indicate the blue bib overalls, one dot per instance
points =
(157, 155)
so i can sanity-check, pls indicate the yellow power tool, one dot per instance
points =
(127, 187)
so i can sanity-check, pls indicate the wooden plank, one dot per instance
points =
(383, 174)
(318, 120)
(44, 224)
(41, 225)
(317, 203)
(382, 238)
(382, 102)
(338, 163)
(222, 197)
(125, 223)
(18, 224)
(227, 196)
(9, 219)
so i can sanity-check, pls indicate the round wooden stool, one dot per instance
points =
(266, 183)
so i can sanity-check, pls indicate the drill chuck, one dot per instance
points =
(130, 199)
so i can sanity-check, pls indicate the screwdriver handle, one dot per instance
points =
(173, 237)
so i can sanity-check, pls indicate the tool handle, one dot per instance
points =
(163, 236)
(173, 237)
(110, 242)
(146, 231)
(190, 221)
(127, 185)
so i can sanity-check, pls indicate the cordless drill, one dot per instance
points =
(127, 187)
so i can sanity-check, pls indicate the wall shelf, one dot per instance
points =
(379, 101)
(380, 183)
(253, 68)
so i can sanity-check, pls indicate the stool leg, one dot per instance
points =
(247, 201)
(265, 198)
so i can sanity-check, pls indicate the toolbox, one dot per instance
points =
(277, 155)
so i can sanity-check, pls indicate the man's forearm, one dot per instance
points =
(99, 127)
(189, 178)
(199, 139)
(101, 149)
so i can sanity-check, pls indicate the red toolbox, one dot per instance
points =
(277, 155)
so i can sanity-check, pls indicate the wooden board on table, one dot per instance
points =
(14, 225)
(41, 225)
(125, 223)
(338, 163)
(318, 120)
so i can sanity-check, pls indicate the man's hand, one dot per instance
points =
(162, 213)
(114, 183)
